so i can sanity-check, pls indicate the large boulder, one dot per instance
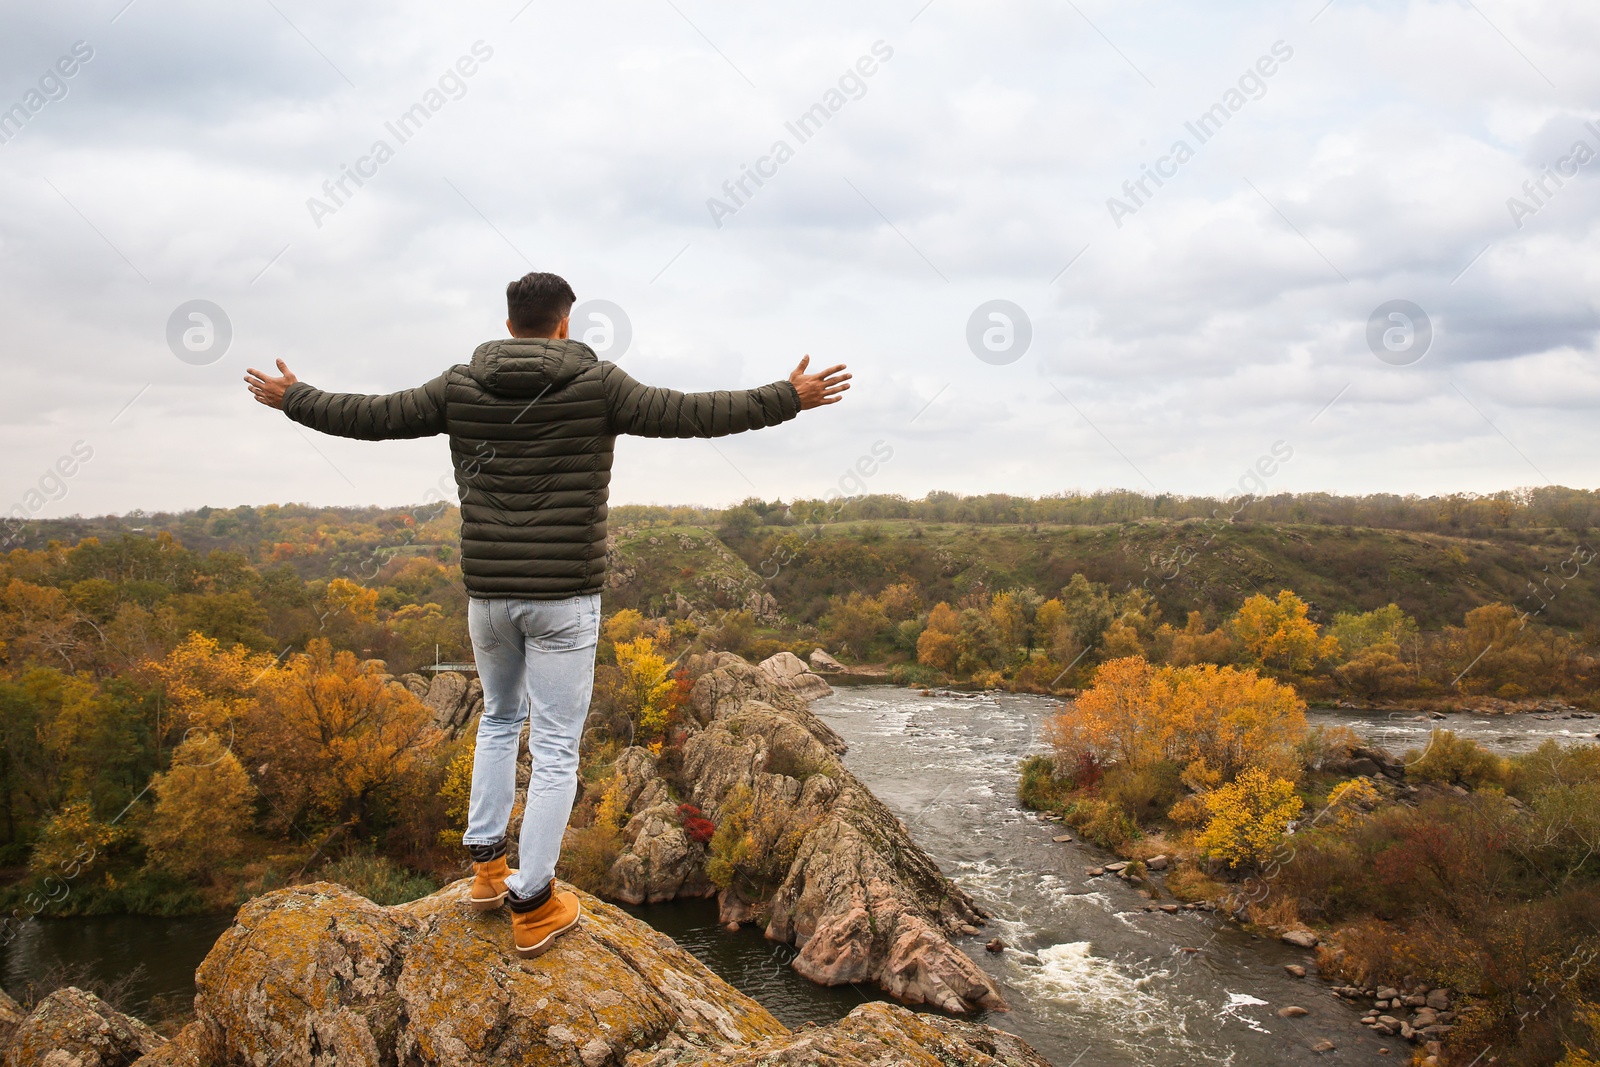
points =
(790, 671)
(72, 1028)
(821, 661)
(316, 976)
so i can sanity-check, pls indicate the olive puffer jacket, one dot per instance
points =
(532, 425)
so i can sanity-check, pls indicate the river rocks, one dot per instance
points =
(1062, 839)
(996, 945)
(790, 671)
(872, 1035)
(858, 898)
(1292, 1011)
(1367, 761)
(1439, 999)
(821, 661)
(1295, 970)
(454, 699)
(1299, 938)
(72, 1028)
(1157, 863)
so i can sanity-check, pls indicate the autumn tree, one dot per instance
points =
(206, 686)
(1248, 817)
(1278, 633)
(938, 646)
(645, 688)
(333, 734)
(855, 623)
(203, 805)
(1212, 721)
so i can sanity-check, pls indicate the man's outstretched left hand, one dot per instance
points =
(269, 390)
(815, 389)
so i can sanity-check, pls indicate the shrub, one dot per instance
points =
(1102, 821)
(696, 826)
(587, 852)
(1189, 883)
(755, 843)
(1455, 760)
(1145, 793)
(1038, 787)
(1248, 817)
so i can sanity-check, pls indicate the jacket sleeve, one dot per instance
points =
(418, 412)
(651, 411)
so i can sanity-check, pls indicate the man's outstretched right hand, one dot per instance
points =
(818, 389)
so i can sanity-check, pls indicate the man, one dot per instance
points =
(532, 422)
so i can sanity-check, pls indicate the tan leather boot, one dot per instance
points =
(534, 932)
(489, 884)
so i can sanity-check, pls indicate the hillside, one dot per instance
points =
(1187, 566)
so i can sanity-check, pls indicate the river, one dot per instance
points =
(1092, 978)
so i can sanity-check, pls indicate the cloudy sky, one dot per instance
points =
(1163, 337)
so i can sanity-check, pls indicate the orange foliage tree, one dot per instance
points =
(334, 734)
(1215, 721)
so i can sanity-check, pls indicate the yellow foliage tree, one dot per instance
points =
(37, 625)
(1279, 634)
(1248, 817)
(351, 600)
(1010, 621)
(625, 625)
(71, 841)
(1350, 801)
(644, 688)
(456, 791)
(203, 805)
(205, 686)
(939, 646)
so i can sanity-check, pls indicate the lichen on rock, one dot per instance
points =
(74, 1028)
(317, 976)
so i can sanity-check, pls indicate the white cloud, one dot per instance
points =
(1211, 324)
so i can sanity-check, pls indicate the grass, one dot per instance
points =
(378, 878)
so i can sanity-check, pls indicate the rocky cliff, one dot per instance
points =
(316, 976)
(803, 848)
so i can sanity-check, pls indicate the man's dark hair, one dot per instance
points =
(537, 302)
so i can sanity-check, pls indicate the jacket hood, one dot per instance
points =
(528, 366)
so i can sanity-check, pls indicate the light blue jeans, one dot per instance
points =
(536, 661)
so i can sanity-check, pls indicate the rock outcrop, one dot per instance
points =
(316, 976)
(453, 698)
(72, 1028)
(843, 881)
(790, 671)
(11, 1015)
(821, 661)
(870, 1036)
